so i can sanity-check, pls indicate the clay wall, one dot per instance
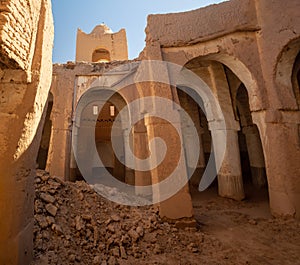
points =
(26, 41)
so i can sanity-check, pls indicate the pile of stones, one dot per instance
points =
(75, 225)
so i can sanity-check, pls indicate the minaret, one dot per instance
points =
(101, 45)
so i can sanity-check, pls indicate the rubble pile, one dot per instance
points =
(75, 225)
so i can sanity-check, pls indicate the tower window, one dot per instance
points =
(101, 55)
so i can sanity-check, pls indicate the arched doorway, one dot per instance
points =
(213, 73)
(103, 139)
(243, 163)
(193, 105)
(95, 117)
(198, 117)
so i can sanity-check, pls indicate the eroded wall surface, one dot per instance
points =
(188, 28)
(26, 39)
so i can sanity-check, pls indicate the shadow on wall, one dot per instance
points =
(46, 135)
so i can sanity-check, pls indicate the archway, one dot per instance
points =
(196, 111)
(95, 115)
(103, 139)
(251, 151)
(286, 72)
(244, 160)
(230, 182)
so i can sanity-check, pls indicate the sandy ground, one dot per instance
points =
(247, 228)
(75, 225)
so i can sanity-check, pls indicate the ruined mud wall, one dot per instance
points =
(18, 24)
(26, 40)
(201, 24)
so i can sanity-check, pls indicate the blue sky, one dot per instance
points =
(131, 15)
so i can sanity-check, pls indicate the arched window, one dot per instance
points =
(101, 55)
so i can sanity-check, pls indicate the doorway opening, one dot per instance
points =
(46, 136)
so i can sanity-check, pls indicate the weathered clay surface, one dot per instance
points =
(26, 39)
(187, 28)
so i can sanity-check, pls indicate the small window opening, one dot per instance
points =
(112, 110)
(95, 110)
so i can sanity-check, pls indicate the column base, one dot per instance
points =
(231, 187)
(281, 204)
(178, 206)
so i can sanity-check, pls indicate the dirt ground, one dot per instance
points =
(75, 225)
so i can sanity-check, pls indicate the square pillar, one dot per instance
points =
(182, 198)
